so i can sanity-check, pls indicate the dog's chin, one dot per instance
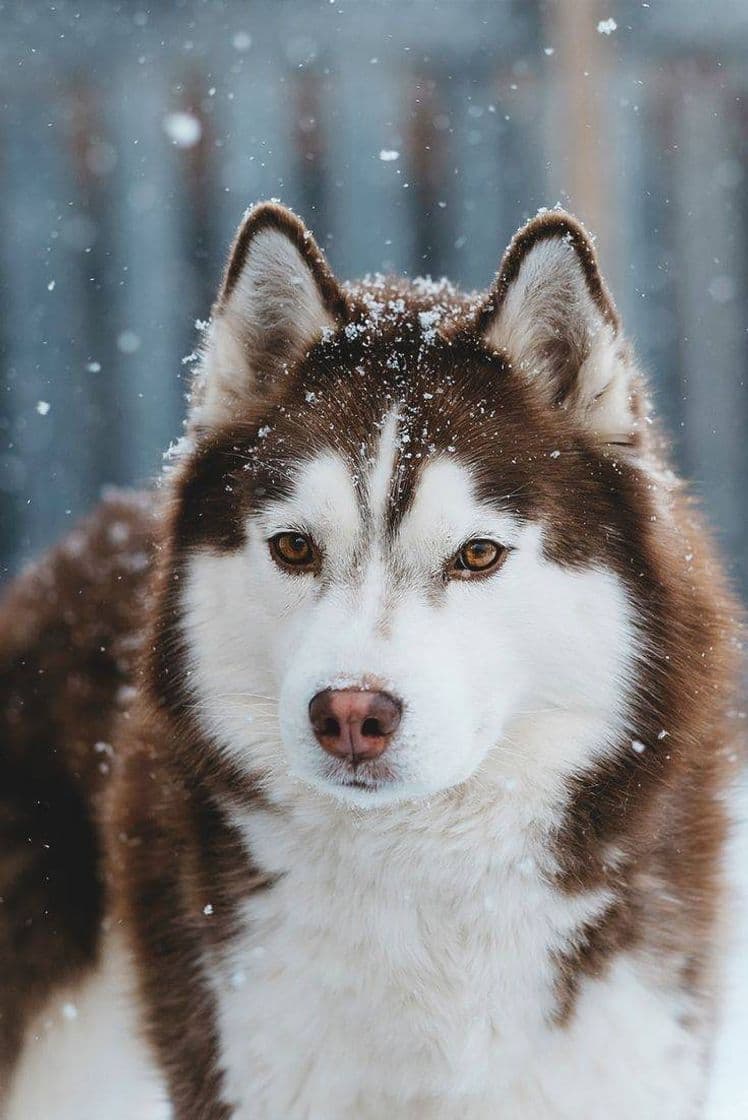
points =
(371, 785)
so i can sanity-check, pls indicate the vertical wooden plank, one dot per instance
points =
(431, 168)
(499, 183)
(94, 162)
(306, 89)
(45, 459)
(581, 75)
(711, 286)
(197, 166)
(644, 283)
(370, 217)
(255, 122)
(154, 282)
(469, 188)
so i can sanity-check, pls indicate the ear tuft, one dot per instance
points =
(550, 313)
(277, 298)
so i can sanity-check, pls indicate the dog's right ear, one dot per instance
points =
(277, 298)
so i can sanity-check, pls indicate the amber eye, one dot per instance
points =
(293, 550)
(478, 557)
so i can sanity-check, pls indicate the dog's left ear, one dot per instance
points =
(277, 298)
(550, 313)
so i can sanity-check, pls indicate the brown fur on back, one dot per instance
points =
(68, 638)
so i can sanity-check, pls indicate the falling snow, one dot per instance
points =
(128, 342)
(131, 237)
(241, 41)
(183, 129)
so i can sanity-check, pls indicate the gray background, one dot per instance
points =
(112, 235)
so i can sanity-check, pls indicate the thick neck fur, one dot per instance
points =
(446, 921)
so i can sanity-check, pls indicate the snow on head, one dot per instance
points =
(429, 321)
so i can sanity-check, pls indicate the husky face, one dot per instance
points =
(402, 535)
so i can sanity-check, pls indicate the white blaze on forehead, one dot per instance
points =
(445, 509)
(382, 467)
(323, 502)
(324, 499)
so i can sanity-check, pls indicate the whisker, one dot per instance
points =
(245, 695)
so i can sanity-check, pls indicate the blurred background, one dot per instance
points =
(414, 136)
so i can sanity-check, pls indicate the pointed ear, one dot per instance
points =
(277, 298)
(550, 313)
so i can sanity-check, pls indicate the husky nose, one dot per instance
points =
(354, 724)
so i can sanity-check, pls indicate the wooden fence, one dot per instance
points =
(132, 139)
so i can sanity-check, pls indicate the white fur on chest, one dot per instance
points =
(409, 972)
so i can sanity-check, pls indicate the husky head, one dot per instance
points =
(405, 541)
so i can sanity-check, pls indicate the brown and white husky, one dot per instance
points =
(375, 767)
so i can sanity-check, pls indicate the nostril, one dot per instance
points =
(330, 727)
(382, 717)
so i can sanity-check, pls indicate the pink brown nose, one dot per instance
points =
(354, 724)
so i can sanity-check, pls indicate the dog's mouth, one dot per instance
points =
(370, 776)
(360, 783)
